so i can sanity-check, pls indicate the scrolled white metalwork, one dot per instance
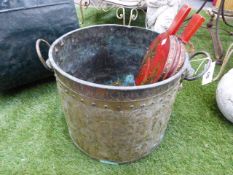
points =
(133, 15)
(85, 4)
(108, 5)
(121, 14)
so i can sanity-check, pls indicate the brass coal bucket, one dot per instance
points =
(114, 124)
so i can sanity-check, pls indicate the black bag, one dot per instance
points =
(22, 22)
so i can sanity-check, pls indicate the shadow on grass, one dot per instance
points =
(27, 87)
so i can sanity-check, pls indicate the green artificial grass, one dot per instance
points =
(34, 137)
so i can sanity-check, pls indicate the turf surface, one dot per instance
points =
(34, 137)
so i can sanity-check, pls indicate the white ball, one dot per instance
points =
(224, 95)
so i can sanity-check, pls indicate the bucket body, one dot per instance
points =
(110, 123)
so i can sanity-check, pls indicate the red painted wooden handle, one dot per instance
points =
(194, 24)
(151, 68)
(179, 19)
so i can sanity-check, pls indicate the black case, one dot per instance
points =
(22, 22)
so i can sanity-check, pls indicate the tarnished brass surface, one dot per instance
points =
(118, 131)
(111, 123)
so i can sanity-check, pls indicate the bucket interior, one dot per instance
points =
(102, 54)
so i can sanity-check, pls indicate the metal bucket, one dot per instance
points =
(114, 124)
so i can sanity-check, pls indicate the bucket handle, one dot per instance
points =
(46, 63)
(206, 67)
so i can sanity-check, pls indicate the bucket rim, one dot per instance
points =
(110, 87)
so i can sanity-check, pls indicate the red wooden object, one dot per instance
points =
(154, 61)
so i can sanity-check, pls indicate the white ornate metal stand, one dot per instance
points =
(120, 5)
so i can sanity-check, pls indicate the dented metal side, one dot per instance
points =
(111, 124)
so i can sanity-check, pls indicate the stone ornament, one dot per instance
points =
(224, 95)
(160, 14)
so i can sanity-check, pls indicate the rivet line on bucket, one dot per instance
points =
(90, 101)
(78, 95)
